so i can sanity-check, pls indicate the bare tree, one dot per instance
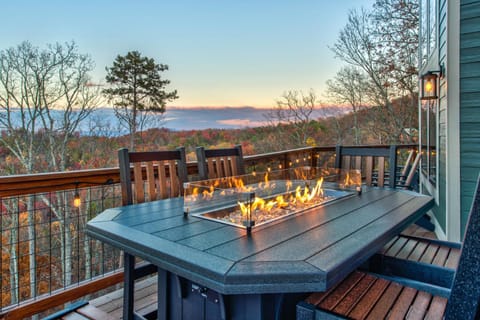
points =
(357, 46)
(397, 31)
(383, 43)
(44, 95)
(293, 117)
(349, 87)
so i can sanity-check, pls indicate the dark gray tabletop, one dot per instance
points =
(308, 252)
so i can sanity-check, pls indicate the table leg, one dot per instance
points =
(162, 294)
(128, 286)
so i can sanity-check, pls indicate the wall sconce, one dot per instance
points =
(429, 84)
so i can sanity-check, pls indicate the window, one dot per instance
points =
(432, 25)
(429, 108)
(428, 29)
(432, 142)
(429, 140)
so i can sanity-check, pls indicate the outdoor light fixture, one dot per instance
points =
(76, 198)
(429, 84)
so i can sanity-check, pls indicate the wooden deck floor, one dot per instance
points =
(145, 290)
(145, 299)
(417, 231)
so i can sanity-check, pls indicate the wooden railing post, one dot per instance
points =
(393, 166)
(338, 157)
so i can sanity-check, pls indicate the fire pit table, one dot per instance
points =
(218, 257)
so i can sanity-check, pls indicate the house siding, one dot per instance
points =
(440, 210)
(469, 102)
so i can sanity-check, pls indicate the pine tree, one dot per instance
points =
(137, 90)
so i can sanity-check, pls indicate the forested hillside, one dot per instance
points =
(87, 152)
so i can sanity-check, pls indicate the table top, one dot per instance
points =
(310, 251)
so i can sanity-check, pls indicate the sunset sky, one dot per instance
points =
(220, 52)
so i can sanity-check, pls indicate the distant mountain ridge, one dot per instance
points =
(104, 122)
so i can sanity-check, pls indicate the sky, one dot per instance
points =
(219, 52)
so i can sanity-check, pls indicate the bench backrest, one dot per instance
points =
(464, 297)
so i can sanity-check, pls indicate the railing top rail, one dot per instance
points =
(251, 158)
(55, 181)
(16, 185)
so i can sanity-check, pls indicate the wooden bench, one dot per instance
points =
(370, 296)
(428, 261)
(365, 296)
(423, 250)
(80, 310)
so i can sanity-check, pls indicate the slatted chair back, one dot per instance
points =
(408, 162)
(156, 174)
(367, 296)
(220, 163)
(374, 163)
(409, 171)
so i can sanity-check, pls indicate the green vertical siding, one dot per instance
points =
(469, 101)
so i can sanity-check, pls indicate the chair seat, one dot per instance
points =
(366, 296)
(423, 250)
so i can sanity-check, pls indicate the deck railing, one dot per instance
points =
(47, 259)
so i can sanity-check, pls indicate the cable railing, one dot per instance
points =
(46, 257)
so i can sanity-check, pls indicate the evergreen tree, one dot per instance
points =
(137, 90)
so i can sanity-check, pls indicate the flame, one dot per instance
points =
(243, 209)
(301, 195)
(238, 183)
(281, 203)
(269, 205)
(209, 194)
(267, 183)
(351, 180)
(194, 194)
(348, 180)
(258, 202)
(288, 184)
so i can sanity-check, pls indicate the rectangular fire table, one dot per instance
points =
(211, 270)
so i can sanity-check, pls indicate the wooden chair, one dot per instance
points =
(219, 163)
(371, 161)
(407, 175)
(368, 296)
(157, 174)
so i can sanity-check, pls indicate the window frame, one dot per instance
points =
(429, 110)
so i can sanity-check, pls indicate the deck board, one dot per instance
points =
(145, 299)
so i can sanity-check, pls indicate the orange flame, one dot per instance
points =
(209, 194)
(260, 205)
(350, 180)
